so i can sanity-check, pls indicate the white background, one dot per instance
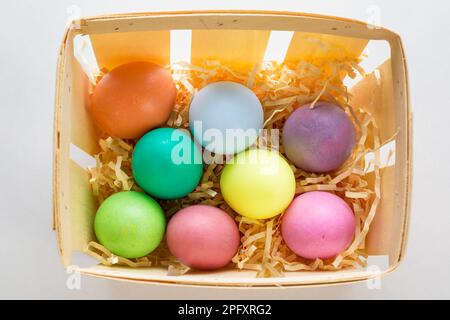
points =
(30, 33)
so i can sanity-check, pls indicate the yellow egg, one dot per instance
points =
(258, 184)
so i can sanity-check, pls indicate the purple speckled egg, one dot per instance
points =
(318, 225)
(203, 237)
(319, 139)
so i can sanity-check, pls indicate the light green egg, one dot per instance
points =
(130, 224)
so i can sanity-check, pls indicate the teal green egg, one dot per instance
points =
(130, 224)
(167, 164)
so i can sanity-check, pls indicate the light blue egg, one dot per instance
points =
(226, 117)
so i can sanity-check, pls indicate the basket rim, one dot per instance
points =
(83, 23)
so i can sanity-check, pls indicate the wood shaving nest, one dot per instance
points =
(281, 88)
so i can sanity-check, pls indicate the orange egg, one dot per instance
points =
(132, 99)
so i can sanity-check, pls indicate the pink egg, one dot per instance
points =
(203, 237)
(318, 225)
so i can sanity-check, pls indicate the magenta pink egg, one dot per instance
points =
(318, 225)
(319, 139)
(203, 237)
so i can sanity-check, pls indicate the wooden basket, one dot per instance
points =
(235, 36)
